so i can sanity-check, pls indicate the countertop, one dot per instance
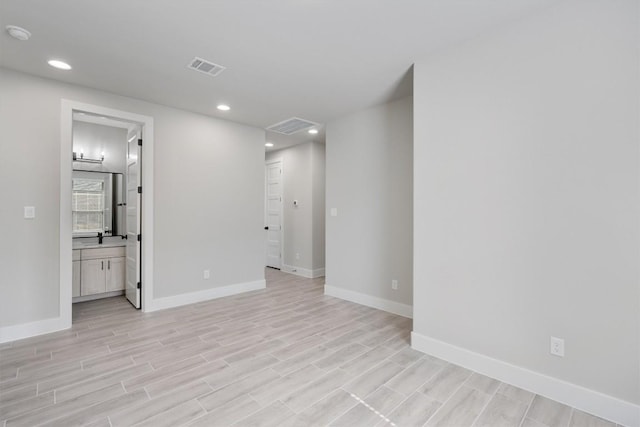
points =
(79, 244)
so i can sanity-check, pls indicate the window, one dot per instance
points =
(87, 201)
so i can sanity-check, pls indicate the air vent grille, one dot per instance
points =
(206, 67)
(291, 126)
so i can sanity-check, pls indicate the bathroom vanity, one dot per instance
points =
(98, 270)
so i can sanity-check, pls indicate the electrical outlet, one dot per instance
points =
(206, 274)
(297, 255)
(557, 346)
(394, 284)
(29, 212)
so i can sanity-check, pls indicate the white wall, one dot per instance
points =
(318, 176)
(209, 195)
(369, 181)
(527, 195)
(303, 225)
(94, 139)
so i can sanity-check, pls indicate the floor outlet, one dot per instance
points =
(206, 274)
(394, 285)
(557, 347)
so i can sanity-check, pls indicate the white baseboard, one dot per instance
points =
(32, 329)
(370, 301)
(206, 295)
(97, 296)
(303, 272)
(593, 402)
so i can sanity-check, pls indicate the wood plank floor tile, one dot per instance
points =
(271, 416)
(582, 419)
(326, 410)
(412, 377)
(217, 398)
(341, 356)
(228, 413)
(143, 380)
(445, 382)
(27, 405)
(549, 412)
(372, 409)
(178, 415)
(364, 362)
(461, 410)
(149, 409)
(316, 390)
(502, 412)
(373, 378)
(283, 386)
(54, 412)
(414, 411)
(515, 393)
(287, 355)
(482, 383)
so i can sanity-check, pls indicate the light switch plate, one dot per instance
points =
(334, 211)
(29, 212)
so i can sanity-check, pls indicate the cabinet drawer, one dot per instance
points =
(103, 253)
(76, 255)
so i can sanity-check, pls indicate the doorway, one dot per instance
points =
(273, 213)
(127, 268)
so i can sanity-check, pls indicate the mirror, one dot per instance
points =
(98, 203)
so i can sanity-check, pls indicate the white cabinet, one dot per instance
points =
(101, 270)
(75, 280)
(115, 274)
(93, 277)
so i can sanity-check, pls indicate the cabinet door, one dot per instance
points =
(93, 276)
(115, 274)
(75, 281)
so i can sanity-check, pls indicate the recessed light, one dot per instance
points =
(18, 33)
(223, 107)
(268, 144)
(313, 131)
(61, 65)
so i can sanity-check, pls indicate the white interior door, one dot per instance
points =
(133, 283)
(273, 213)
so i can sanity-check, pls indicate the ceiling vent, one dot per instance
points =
(291, 126)
(205, 66)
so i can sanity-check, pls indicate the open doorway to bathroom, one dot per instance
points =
(105, 214)
(103, 189)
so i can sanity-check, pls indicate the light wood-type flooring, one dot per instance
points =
(284, 356)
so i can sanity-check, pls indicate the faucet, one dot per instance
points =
(99, 238)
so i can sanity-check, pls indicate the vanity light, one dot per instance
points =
(224, 107)
(268, 144)
(61, 65)
(81, 158)
(313, 131)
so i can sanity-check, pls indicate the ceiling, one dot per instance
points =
(314, 59)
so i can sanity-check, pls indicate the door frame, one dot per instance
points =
(266, 169)
(66, 243)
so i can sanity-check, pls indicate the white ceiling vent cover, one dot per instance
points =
(205, 66)
(291, 126)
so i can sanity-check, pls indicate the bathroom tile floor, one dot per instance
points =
(283, 356)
